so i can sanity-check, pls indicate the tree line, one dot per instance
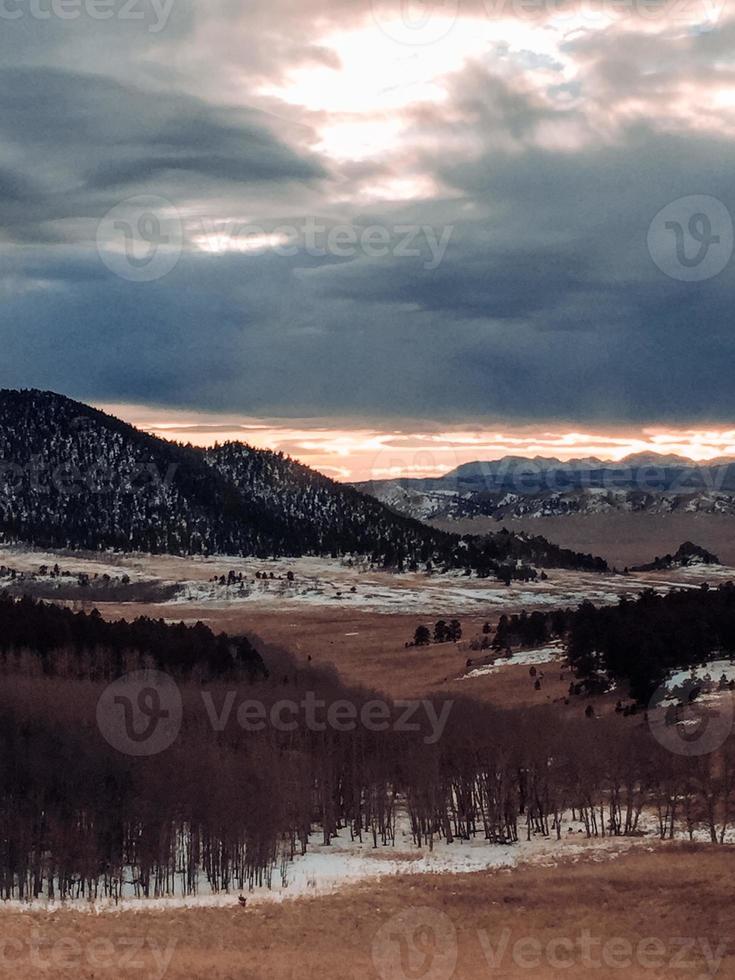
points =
(58, 640)
(230, 809)
(638, 641)
(641, 641)
(225, 807)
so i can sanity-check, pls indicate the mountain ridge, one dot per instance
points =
(641, 459)
(72, 476)
(516, 486)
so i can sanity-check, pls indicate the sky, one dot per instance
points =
(363, 452)
(456, 227)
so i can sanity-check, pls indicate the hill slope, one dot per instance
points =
(686, 555)
(73, 477)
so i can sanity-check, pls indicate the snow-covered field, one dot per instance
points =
(324, 582)
(326, 869)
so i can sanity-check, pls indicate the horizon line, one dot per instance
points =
(359, 451)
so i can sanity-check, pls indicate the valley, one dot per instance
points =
(620, 538)
(499, 762)
(339, 612)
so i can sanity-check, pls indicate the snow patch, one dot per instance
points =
(522, 658)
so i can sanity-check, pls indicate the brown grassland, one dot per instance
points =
(661, 896)
(368, 650)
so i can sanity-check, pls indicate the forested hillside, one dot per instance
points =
(640, 641)
(73, 477)
(322, 516)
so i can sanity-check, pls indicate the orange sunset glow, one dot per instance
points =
(417, 449)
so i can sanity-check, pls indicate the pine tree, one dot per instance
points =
(422, 636)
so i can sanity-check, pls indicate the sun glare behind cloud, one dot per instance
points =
(365, 452)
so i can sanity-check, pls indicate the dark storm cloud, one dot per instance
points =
(14, 187)
(77, 129)
(255, 335)
(552, 303)
(82, 143)
(546, 304)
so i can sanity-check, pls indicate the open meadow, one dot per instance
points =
(546, 891)
(652, 911)
(346, 614)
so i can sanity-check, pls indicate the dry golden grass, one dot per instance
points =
(375, 655)
(663, 896)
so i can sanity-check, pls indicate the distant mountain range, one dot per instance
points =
(73, 477)
(515, 487)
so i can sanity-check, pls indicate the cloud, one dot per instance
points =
(546, 155)
(85, 143)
